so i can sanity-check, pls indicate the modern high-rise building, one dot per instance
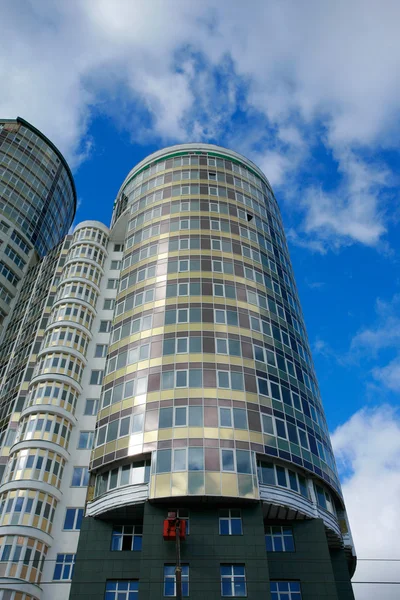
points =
(158, 367)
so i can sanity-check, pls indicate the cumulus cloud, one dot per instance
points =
(380, 342)
(367, 449)
(351, 213)
(293, 76)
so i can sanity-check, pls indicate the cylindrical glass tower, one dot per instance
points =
(37, 203)
(210, 389)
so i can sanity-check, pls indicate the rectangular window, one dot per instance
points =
(230, 522)
(233, 581)
(115, 265)
(267, 424)
(108, 304)
(20, 242)
(181, 345)
(8, 274)
(85, 441)
(4, 227)
(285, 590)
(182, 315)
(225, 417)
(127, 537)
(91, 406)
(100, 351)
(122, 590)
(170, 580)
(105, 326)
(96, 377)
(321, 499)
(64, 568)
(80, 477)
(228, 461)
(73, 519)
(220, 316)
(15, 257)
(279, 539)
(183, 515)
(112, 284)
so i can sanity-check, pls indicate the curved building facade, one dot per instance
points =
(37, 203)
(209, 393)
(37, 189)
(160, 366)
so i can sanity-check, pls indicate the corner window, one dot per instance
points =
(80, 477)
(285, 590)
(91, 406)
(73, 519)
(279, 539)
(105, 326)
(108, 304)
(96, 377)
(100, 351)
(85, 441)
(64, 568)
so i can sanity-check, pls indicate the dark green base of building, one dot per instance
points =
(322, 571)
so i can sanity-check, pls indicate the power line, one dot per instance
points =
(213, 581)
(198, 558)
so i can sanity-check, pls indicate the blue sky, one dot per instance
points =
(310, 91)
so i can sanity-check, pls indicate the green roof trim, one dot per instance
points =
(185, 153)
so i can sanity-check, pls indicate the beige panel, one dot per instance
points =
(211, 432)
(153, 397)
(180, 433)
(123, 443)
(195, 392)
(229, 484)
(195, 432)
(110, 447)
(266, 401)
(150, 436)
(179, 483)
(213, 484)
(256, 437)
(128, 403)
(165, 434)
(242, 435)
(163, 485)
(226, 433)
(252, 398)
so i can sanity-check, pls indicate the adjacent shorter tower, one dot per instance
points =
(163, 365)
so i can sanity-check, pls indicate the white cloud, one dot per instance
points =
(389, 375)
(367, 448)
(385, 333)
(351, 213)
(302, 75)
(384, 336)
